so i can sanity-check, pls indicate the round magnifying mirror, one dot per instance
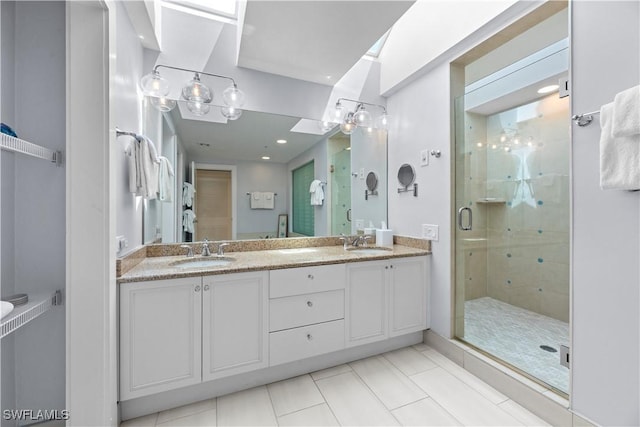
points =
(372, 181)
(406, 175)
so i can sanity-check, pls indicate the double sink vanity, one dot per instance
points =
(266, 309)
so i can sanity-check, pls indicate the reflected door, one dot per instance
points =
(213, 205)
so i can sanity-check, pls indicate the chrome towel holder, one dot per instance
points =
(584, 119)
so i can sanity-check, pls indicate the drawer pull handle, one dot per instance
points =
(309, 337)
(309, 304)
(206, 287)
(197, 289)
(310, 276)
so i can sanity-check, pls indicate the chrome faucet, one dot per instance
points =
(205, 248)
(221, 247)
(189, 250)
(345, 241)
(360, 240)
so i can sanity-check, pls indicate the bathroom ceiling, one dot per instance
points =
(317, 41)
(249, 138)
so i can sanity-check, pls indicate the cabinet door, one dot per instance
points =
(160, 336)
(366, 302)
(408, 289)
(235, 324)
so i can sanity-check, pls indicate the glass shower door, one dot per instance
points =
(512, 234)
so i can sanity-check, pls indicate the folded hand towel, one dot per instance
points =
(268, 201)
(619, 157)
(317, 194)
(188, 192)
(256, 200)
(165, 184)
(188, 219)
(626, 113)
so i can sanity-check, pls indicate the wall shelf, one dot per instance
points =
(38, 304)
(17, 145)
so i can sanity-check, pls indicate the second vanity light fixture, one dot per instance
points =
(360, 117)
(196, 93)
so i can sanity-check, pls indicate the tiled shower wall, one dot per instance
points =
(518, 187)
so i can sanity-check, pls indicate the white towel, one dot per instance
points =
(626, 113)
(619, 157)
(143, 168)
(188, 192)
(188, 220)
(268, 200)
(256, 200)
(165, 184)
(317, 194)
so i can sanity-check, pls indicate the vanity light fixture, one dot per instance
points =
(195, 92)
(359, 117)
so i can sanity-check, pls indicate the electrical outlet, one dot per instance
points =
(424, 157)
(430, 232)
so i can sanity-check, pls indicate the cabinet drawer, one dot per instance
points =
(306, 280)
(306, 341)
(300, 310)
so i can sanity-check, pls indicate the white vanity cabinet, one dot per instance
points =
(306, 312)
(234, 324)
(385, 299)
(160, 330)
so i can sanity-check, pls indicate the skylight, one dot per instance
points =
(226, 8)
(377, 46)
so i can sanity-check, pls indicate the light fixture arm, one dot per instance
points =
(359, 103)
(155, 70)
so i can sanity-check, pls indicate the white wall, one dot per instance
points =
(261, 176)
(606, 232)
(421, 121)
(128, 117)
(33, 201)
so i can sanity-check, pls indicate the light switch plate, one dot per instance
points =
(361, 173)
(430, 232)
(424, 157)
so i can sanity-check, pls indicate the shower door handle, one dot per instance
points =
(349, 215)
(470, 224)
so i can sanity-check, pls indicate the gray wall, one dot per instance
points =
(33, 199)
(606, 230)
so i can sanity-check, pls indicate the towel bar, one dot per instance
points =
(584, 119)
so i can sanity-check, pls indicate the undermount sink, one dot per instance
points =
(5, 308)
(377, 250)
(203, 262)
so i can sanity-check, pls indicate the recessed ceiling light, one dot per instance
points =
(548, 89)
(281, 141)
(266, 158)
(141, 37)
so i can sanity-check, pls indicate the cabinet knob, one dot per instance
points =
(310, 276)
(309, 304)
(206, 287)
(391, 266)
(197, 289)
(386, 267)
(309, 337)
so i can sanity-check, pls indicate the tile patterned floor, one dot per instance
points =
(412, 386)
(515, 335)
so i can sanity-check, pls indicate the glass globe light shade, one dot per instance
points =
(362, 118)
(198, 108)
(233, 97)
(153, 84)
(195, 90)
(348, 125)
(336, 113)
(382, 122)
(163, 104)
(231, 113)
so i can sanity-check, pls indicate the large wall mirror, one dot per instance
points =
(245, 177)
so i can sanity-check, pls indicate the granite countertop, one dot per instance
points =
(160, 267)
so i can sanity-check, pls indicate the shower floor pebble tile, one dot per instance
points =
(354, 394)
(515, 335)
